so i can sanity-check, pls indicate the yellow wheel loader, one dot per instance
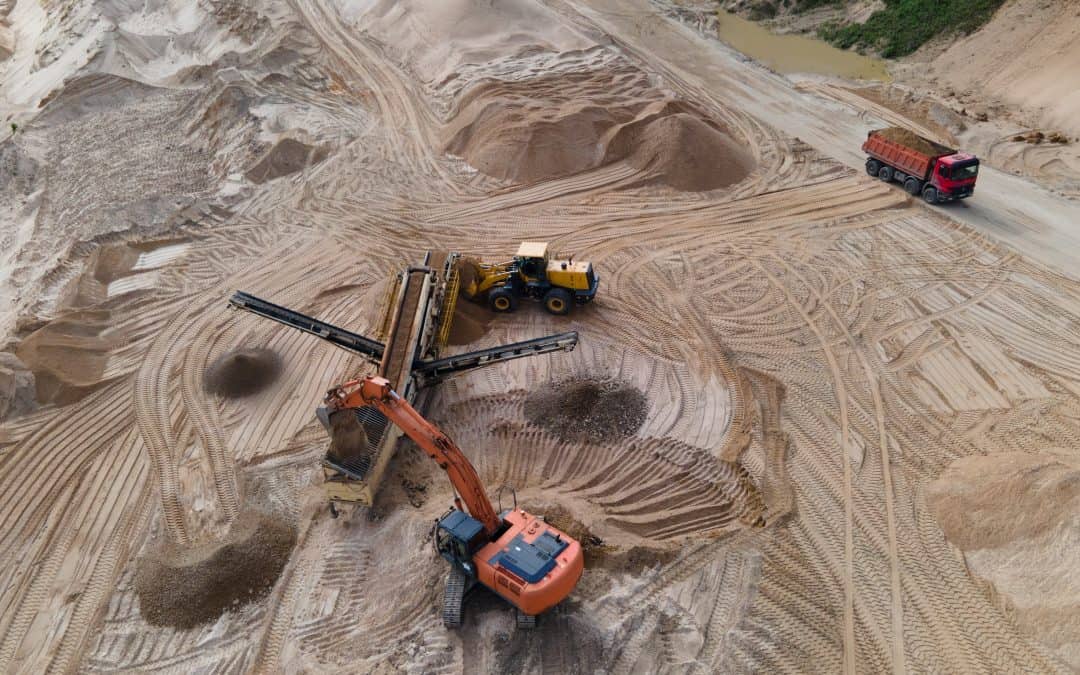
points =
(559, 284)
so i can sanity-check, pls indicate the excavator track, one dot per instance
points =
(453, 598)
(524, 621)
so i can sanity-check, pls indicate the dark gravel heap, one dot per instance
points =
(188, 587)
(242, 372)
(588, 410)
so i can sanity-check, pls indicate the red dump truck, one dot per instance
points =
(923, 167)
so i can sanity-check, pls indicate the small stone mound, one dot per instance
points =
(588, 410)
(913, 141)
(682, 151)
(242, 372)
(188, 587)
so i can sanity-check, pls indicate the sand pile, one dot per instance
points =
(588, 410)
(472, 321)
(242, 372)
(559, 125)
(438, 38)
(682, 151)
(1014, 517)
(184, 588)
(913, 141)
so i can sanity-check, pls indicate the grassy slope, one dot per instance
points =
(905, 25)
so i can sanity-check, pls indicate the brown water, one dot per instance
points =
(796, 53)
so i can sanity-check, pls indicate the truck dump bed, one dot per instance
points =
(907, 151)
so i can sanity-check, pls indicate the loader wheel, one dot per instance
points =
(502, 300)
(885, 173)
(929, 194)
(872, 166)
(911, 185)
(557, 301)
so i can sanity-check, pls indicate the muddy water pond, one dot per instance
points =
(796, 53)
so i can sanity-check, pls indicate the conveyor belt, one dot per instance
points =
(400, 346)
(483, 357)
(337, 336)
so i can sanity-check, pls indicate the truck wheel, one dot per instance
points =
(885, 173)
(872, 166)
(557, 301)
(911, 186)
(929, 194)
(502, 300)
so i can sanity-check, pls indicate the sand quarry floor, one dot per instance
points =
(847, 424)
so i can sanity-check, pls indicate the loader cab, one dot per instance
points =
(531, 258)
(458, 537)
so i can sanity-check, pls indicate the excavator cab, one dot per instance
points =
(457, 538)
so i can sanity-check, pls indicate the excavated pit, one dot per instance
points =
(242, 372)
(184, 588)
(594, 411)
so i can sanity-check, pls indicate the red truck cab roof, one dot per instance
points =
(956, 158)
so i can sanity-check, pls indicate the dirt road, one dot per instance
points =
(1010, 209)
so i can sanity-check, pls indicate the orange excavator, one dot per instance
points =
(523, 559)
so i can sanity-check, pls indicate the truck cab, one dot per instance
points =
(954, 175)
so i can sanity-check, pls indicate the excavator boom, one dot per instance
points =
(376, 391)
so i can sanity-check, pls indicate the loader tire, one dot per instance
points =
(558, 301)
(502, 300)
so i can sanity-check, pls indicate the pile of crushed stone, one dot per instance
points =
(188, 587)
(242, 372)
(588, 410)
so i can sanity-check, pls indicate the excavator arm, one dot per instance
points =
(376, 391)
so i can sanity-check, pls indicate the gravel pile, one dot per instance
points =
(588, 410)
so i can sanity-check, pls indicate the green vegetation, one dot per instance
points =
(14, 128)
(905, 25)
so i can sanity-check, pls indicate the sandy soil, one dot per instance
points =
(814, 377)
